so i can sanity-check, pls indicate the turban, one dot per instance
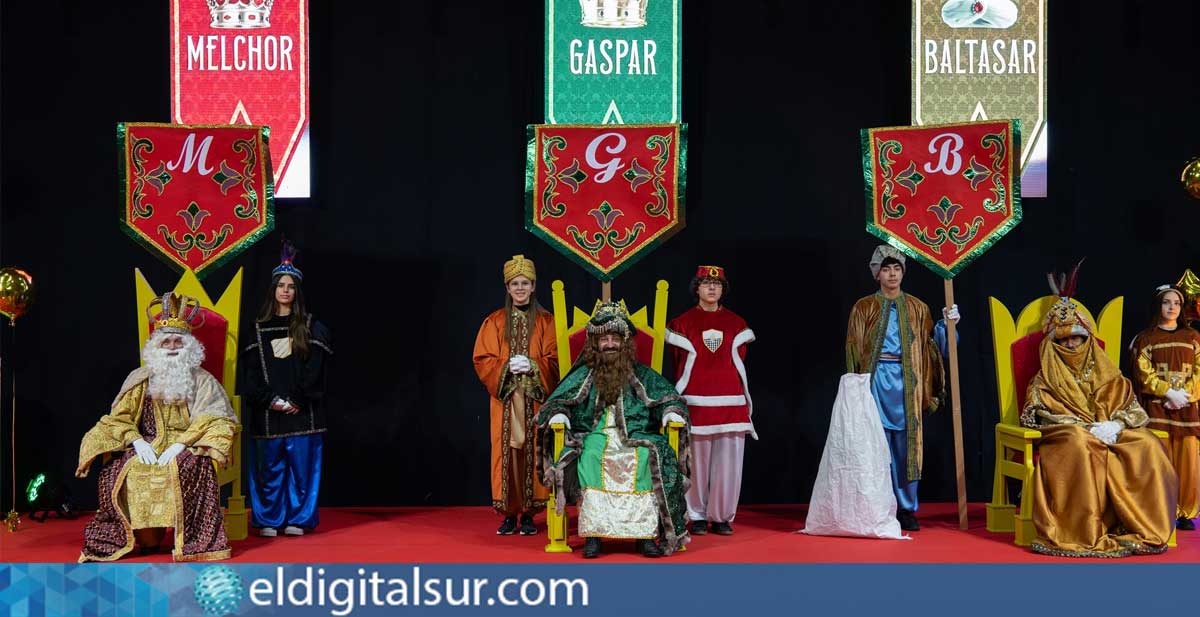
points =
(881, 253)
(519, 266)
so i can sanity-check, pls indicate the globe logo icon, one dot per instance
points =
(219, 590)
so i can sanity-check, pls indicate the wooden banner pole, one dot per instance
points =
(956, 410)
(606, 291)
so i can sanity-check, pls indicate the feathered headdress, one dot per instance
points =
(1064, 319)
(287, 259)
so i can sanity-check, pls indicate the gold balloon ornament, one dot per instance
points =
(16, 292)
(1190, 178)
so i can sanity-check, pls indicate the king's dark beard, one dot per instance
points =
(612, 372)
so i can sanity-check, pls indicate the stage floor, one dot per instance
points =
(763, 534)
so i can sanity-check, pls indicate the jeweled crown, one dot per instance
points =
(177, 315)
(240, 14)
(613, 13)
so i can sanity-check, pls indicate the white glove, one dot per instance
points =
(519, 365)
(952, 313)
(560, 418)
(171, 452)
(1178, 398)
(145, 453)
(1106, 431)
(672, 417)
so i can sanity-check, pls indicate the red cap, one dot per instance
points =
(710, 272)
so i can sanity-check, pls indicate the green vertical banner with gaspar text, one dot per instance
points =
(613, 61)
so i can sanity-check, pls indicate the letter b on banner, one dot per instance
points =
(947, 146)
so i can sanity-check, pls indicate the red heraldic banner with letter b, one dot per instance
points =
(246, 62)
(605, 195)
(195, 196)
(943, 194)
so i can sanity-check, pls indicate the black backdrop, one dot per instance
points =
(419, 111)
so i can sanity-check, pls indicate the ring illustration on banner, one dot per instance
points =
(979, 13)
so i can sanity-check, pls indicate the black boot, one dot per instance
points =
(591, 548)
(723, 529)
(698, 528)
(527, 526)
(649, 549)
(908, 520)
(1185, 524)
(507, 527)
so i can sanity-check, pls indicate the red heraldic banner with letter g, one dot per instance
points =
(246, 62)
(605, 195)
(195, 196)
(943, 194)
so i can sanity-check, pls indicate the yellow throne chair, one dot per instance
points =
(651, 340)
(1015, 345)
(219, 334)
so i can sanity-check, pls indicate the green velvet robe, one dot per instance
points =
(646, 400)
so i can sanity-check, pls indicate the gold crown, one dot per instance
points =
(244, 14)
(178, 314)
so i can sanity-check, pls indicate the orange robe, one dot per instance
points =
(515, 487)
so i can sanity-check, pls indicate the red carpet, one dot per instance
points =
(467, 534)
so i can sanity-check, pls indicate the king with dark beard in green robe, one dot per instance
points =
(615, 463)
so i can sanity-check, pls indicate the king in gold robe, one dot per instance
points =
(170, 422)
(1103, 485)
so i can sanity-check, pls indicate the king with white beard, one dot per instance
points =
(168, 424)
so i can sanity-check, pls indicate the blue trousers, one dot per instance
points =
(285, 479)
(887, 387)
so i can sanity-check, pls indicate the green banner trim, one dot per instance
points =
(531, 170)
(868, 162)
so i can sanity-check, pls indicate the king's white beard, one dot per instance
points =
(171, 376)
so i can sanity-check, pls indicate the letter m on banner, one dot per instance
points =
(605, 195)
(195, 196)
(943, 194)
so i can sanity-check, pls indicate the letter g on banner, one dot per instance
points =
(610, 168)
(945, 151)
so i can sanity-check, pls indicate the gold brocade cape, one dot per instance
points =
(206, 423)
(924, 377)
(1090, 498)
(1079, 386)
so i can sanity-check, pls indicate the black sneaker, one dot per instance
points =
(908, 520)
(591, 548)
(722, 529)
(507, 527)
(649, 549)
(698, 528)
(1185, 524)
(527, 526)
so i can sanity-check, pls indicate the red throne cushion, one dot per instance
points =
(645, 345)
(211, 334)
(1026, 361)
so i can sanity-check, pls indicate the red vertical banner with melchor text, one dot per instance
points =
(246, 62)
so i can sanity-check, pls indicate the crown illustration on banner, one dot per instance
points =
(243, 14)
(613, 13)
(178, 314)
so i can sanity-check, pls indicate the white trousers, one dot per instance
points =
(716, 477)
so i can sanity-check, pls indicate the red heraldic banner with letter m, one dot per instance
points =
(605, 195)
(195, 196)
(246, 62)
(943, 194)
